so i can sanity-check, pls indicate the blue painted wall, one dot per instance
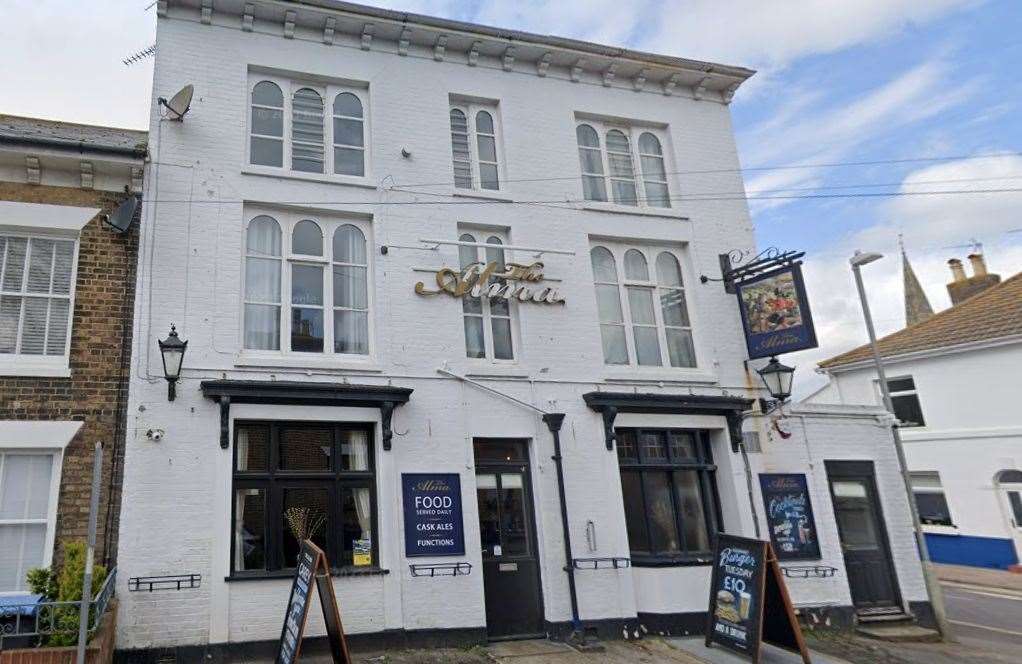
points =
(992, 552)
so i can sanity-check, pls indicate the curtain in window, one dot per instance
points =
(608, 303)
(266, 125)
(594, 186)
(654, 176)
(307, 131)
(262, 284)
(673, 308)
(622, 171)
(462, 155)
(349, 135)
(35, 295)
(351, 301)
(24, 515)
(359, 441)
(472, 307)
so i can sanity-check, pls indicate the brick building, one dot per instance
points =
(66, 300)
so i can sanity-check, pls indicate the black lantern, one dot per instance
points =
(777, 378)
(173, 351)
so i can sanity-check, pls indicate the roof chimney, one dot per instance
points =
(962, 288)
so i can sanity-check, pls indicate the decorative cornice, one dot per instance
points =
(367, 36)
(33, 171)
(289, 24)
(329, 26)
(440, 48)
(608, 76)
(639, 82)
(577, 69)
(207, 12)
(404, 41)
(542, 65)
(508, 61)
(699, 89)
(670, 84)
(473, 54)
(729, 93)
(87, 175)
(248, 17)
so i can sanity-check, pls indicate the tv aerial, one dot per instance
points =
(179, 103)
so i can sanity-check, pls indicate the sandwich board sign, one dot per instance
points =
(749, 603)
(311, 568)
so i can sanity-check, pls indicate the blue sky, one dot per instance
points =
(838, 81)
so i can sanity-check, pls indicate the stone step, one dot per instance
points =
(904, 632)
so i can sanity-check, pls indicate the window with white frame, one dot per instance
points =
(27, 517)
(36, 295)
(930, 499)
(488, 321)
(306, 285)
(474, 145)
(640, 297)
(622, 164)
(309, 128)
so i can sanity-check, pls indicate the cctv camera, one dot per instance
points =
(155, 435)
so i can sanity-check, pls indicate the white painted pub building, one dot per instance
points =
(411, 254)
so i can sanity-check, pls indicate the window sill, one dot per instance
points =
(631, 374)
(270, 171)
(670, 561)
(299, 363)
(496, 371)
(614, 208)
(490, 195)
(940, 530)
(35, 368)
(283, 574)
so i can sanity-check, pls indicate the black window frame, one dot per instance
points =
(273, 482)
(927, 516)
(905, 399)
(704, 467)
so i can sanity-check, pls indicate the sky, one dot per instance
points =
(928, 88)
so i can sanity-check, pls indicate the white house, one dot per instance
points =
(315, 226)
(953, 378)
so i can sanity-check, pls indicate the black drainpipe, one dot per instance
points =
(553, 422)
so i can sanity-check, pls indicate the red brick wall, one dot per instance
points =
(96, 392)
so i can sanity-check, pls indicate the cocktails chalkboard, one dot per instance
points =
(789, 515)
(747, 586)
(312, 565)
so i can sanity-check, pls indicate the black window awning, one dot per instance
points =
(609, 404)
(295, 393)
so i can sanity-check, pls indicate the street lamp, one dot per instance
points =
(173, 351)
(777, 377)
(933, 589)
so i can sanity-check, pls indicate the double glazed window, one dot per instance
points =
(930, 499)
(311, 129)
(624, 165)
(643, 320)
(36, 283)
(474, 147)
(26, 482)
(298, 479)
(906, 401)
(669, 490)
(306, 286)
(488, 321)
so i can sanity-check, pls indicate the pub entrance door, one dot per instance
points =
(511, 581)
(863, 534)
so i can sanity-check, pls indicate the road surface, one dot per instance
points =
(985, 615)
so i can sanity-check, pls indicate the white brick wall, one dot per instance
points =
(176, 515)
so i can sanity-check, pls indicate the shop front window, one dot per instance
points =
(669, 491)
(295, 480)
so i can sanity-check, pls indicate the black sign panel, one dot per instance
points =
(298, 604)
(432, 511)
(736, 594)
(789, 515)
(775, 312)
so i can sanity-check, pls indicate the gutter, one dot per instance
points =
(76, 146)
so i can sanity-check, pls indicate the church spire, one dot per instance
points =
(917, 307)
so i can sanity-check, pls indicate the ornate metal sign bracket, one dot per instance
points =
(737, 265)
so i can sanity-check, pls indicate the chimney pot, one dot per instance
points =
(957, 271)
(979, 266)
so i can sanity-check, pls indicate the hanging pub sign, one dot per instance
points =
(511, 281)
(311, 567)
(749, 603)
(789, 515)
(432, 511)
(775, 312)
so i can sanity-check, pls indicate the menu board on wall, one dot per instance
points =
(432, 512)
(789, 516)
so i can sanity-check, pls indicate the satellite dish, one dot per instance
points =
(120, 220)
(179, 103)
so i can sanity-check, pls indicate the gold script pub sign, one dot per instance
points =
(512, 281)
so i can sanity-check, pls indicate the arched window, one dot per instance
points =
(349, 135)
(307, 288)
(462, 153)
(471, 307)
(674, 310)
(608, 304)
(307, 131)
(499, 308)
(262, 284)
(486, 146)
(351, 297)
(654, 176)
(639, 290)
(622, 171)
(594, 184)
(266, 125)
(488, 331)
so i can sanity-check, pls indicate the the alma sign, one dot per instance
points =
(512, 282)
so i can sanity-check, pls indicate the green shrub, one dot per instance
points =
(66, 586)
(42, 581)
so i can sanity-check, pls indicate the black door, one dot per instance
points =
(863, 534)
(514, 605)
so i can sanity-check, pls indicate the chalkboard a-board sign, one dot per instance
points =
(749, 603)
(311, 567)
(789, 514)
(432, 511)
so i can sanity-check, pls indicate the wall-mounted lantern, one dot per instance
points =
(173, 351)
(778, 378)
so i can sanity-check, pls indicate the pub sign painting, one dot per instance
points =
(432, 512)
(789, 514)
(775, 312)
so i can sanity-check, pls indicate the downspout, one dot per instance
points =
(553, 422)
